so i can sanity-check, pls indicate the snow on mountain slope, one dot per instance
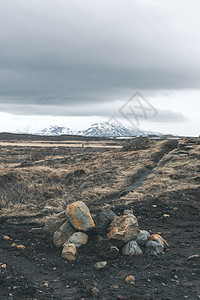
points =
(103, 129)
(55, 130)
(51, 130)
(106, 129)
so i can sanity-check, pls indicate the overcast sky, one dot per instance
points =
(76, 62)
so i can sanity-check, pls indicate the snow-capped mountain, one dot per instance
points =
(102, 129)
(106, 129)
(51, 130)
(55, 130)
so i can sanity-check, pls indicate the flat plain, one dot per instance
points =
(161, 184)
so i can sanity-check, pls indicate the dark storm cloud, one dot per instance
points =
(59, 53)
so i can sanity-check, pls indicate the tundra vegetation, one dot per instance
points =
(157, 180)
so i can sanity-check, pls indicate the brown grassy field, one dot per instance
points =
(67, 144)
(162, 180)
(101, 174)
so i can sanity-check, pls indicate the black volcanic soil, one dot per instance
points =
(163, 179)
(168, 276)
(6, 136)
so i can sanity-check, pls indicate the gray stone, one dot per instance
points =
(53, 223)
(142, 237)
(158, 238)
(62, 234)
(131, 248)
(153, 247)
(114, 250)
(100, 265)
(78, 239)
(103, 219)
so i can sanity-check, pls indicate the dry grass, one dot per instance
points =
(93, 144)
(95, 177)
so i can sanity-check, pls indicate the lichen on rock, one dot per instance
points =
(79, 216)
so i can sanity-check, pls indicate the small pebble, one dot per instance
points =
(166, 216)
(6, 237)
(46, 284)
(20, 247)
(3, 266)
(130, 279)
(115, 287)
(95, 291)
(100, 265)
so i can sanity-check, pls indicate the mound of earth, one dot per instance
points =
(137, 143)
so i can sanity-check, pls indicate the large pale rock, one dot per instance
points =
(62, 234)
(53, 223)
(69, 252)
(142, 237)
(131, 248)
(103, 220)
(124, 228)
(78, 239)
(79, 216)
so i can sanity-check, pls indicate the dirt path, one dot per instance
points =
(142, 174)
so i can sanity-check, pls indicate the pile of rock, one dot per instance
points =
(138, 143)
(114, 234)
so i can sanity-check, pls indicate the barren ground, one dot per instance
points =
(163, 179)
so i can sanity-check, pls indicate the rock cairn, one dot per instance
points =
(115, 235)
(138, 143)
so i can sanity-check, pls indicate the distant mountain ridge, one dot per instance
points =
(102, 129)
(56, 130)
(106, 129)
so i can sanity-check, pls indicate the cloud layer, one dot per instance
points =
(71, 54)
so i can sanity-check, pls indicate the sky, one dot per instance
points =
(73, 63)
